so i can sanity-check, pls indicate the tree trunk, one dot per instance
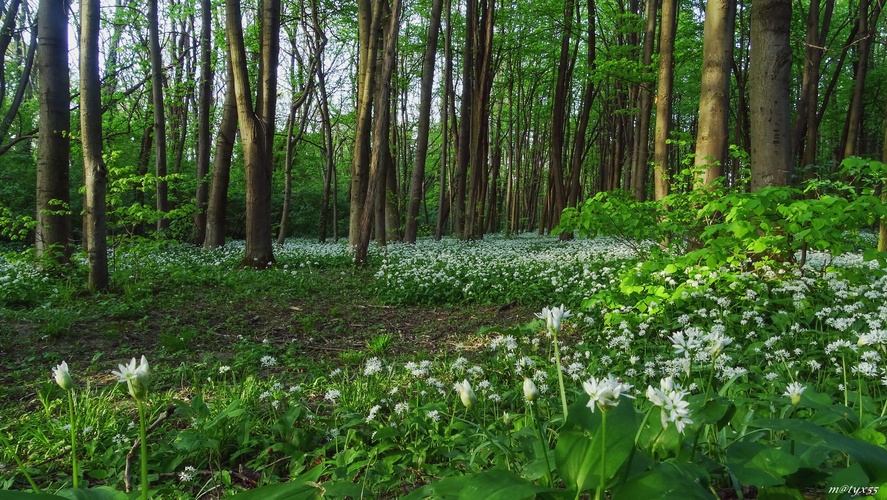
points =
(855, 113)
(23, 82)
(558, 112)
(53, 230)
(769, 73)
(713, 136)
(218, 196)
(326, 124)
(368, 19)
(91, 138)
(203, 131)
(417, 179)
(443, 207)
(159, 117)
(664, 97)
(382, 119)
(645, 105)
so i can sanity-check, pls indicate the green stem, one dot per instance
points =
(18, 461)
(75, 472)
(560, 375)
(600, 491)
(143, 436)
(543, 443)
(846, 388)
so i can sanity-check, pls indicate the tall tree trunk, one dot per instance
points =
(443, 206)
(53, 230)
(254, 128)
(664, 97)
(320, 41)
(417, 179)
(645, 105)
(203, 130)
(712, 139)
(218, 196)
(382, 119)
(159, 114)
(23, 82)
(855, 113)
(91, 138)
(6, 31)
(558, 112)
(769, 73)
(479, 116)
(369, 13)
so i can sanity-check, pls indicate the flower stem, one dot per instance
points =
(18, 461)
(543, 443)
(600, 491)
(560, 375)
(143, 436)
(74, 471)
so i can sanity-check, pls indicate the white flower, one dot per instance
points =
(670, 398)
(433, 415)
(793, 391)
(268, 361)
(224, 369)
(605, 392)
(553, 317)
(135, 377)
(466, 393)
(373, 366)
(187, 475)
(332, 395)
(63, 377)
(401, 408)
(531, 392)
(372, 414)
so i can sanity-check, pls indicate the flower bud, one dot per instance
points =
(63, 377)
(531, 392)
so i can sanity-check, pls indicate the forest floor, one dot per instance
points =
(336, 314)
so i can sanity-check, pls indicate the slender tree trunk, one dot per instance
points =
(218, 196)
(443, 207)
(809, 124)
(23, 82)
(855, 113)
(203, 123)
(558, 112)
(712, 139)
(53, 230)
(645, 105)
(769, 74)
(327, 126)
(381, 120)
(664, 97)
(418, 176)
(159, 117)
(369, 15)
(91, 138)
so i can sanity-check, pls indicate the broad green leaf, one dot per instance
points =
(494, 484)
(779, 493)
(23, 495)
(665, 480)
(283, 491)
(760, 465)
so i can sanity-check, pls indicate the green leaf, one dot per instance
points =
(578, 452)
(494, 484)
(760, 465)
(779, 493)
(22, 495)
(283, 491)
(872, 459)
(665, 480)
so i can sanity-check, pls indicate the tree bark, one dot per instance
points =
(53, 230)
(218, 196)
(381, 120)
(769, 74)
(443, 206)
(855, 113)
(203, 124)
(159, 113)
(664, 97)
(712, 139)
(417, 179)
(645, 105)
(91, 138)
(558, 112)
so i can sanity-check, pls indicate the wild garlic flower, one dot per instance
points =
(373, 366)
(62, 376)
(466, 393)
(553, 317)
(793, 391)
(670, 398)
(135, 377)
(605, 392)
(531, 392)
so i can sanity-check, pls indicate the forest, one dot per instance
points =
(314, 239)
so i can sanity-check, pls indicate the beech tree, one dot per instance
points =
(53, 230)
